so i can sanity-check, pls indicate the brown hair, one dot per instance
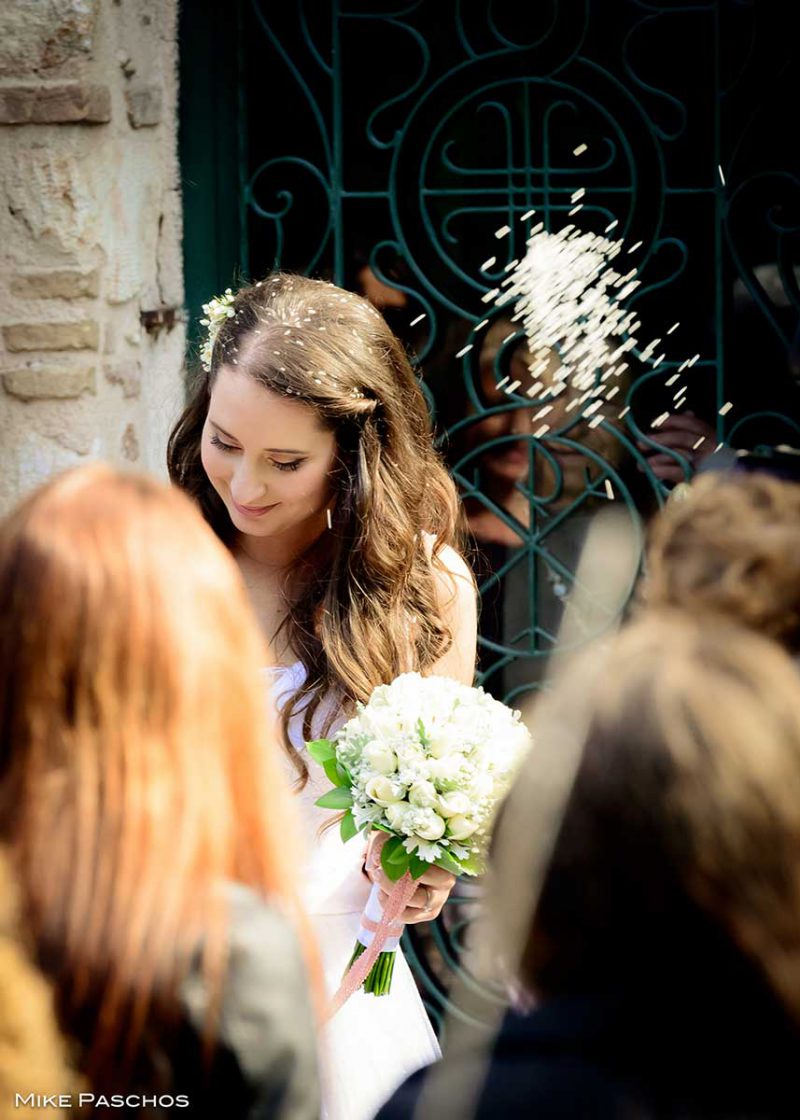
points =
(680, 844)
(731, 547)
(363, 599)
(136, 769)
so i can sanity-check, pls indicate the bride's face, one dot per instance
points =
(269, 459)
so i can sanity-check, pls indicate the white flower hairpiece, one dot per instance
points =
(217, 311)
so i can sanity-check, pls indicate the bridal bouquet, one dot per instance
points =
(426, 760)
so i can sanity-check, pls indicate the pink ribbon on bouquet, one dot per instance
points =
(359, 970)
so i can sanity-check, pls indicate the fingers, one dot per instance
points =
(427, 900)
(684, 422)
(438, 878)
(676, 441)
(669, 474)
(372, 860)
(424, 905)
(664, 467)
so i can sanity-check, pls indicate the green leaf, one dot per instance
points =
(450, 863)
(418, 866)
(398, 853)
(335, 799)
(423, 738)
(472, 865)
(321, 750)
(348, 827)
(336, 773)
(394, 859)
(396, 870)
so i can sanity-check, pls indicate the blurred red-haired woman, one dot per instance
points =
(142, 802)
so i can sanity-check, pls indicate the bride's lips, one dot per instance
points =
(253, 511)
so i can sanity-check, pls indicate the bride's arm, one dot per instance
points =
(457, 600)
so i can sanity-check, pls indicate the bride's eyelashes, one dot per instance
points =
(217, 442)
(292, 466)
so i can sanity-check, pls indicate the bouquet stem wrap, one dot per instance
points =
(378, 937)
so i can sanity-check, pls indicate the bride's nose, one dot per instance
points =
(247, 487)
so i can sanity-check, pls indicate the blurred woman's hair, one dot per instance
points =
(677, 861)
(362, 584)
(730, 548)
(137, 772)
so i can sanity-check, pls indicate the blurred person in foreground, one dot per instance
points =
(661, 966)
(143, 807)
(730, 549)
(33, 1053)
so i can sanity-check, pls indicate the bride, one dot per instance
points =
(307, 446)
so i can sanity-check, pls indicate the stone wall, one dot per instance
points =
(91, 337)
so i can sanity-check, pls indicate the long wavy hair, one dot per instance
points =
(363, 603)
(677, 864)
(137, 771)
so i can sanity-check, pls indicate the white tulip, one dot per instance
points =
(428, 825)
(380, 758)
(453, 804)
(383, 791)
(460, 827)
(443, 743)
(423, 795)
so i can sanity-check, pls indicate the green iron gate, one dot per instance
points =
(334, 136)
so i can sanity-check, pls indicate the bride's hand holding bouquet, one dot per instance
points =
(433, 888)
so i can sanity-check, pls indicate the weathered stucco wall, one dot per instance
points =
(90, 228)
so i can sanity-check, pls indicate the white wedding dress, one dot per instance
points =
(373, 1043)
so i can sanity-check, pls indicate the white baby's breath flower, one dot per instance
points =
(217, 310)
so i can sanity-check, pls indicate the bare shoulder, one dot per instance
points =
(456, 595)
(449, 565)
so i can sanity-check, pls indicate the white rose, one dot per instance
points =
(396, 816)
(460, 827)
(453, 804)
(380, 758)
(428, 825)
(423, 795)
(383, 791)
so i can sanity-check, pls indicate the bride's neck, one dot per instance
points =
(276, 554)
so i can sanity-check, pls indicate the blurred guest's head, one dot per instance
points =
(731, 548)
(677, 864)
(136, 775)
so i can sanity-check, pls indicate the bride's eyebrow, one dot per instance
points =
(272, 450)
